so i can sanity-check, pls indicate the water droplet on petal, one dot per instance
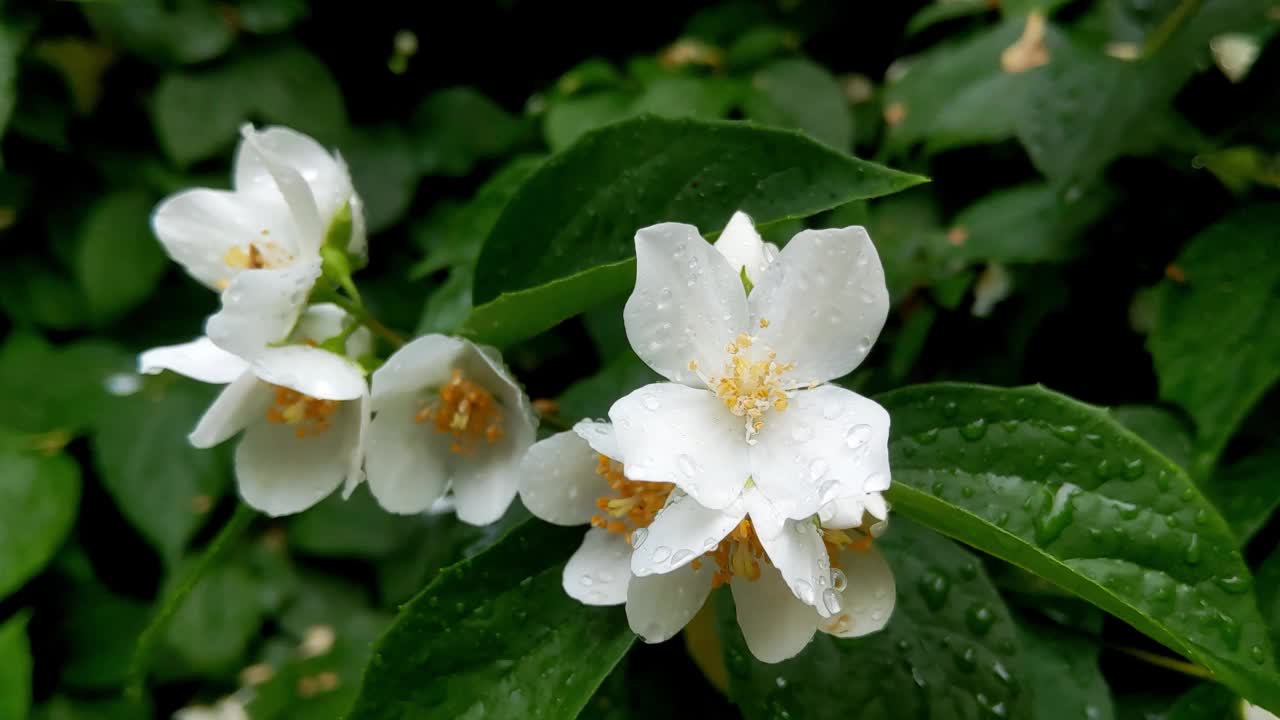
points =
(681, 556)
(831, 599)
(817, 469)
(839, 581)
(638, 536)
(857, 436)
(661, 553)
(803, 590)
(831, 410)
(587, 581)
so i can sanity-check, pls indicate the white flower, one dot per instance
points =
(447, 416)
(260, 243)
(304, 410)
(746, 398)
(577, 477)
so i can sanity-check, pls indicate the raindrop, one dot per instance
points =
(974, 430)
(1134, 469)
(1258, 654)
(587, 581)
(710, 544)
(123, 383)
(839, 581)
(803, 590)
(604, 576)
(1234, 584)
(1193, 554)
(864, 345)
(831, 599)
(1069, 433)
(935, 586)
(928, 437)
(967, 660)
(979, 618)
(817, 469)
(686, 465)
(638, 536)
(661, 553)
(1103, 469)
(1049, 527)
(950, 409)
(681, 556)
(650, 402)
(857, 436)
(780, 681)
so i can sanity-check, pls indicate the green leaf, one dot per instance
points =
(58, 389)
(957, 94)
(1062, 671)
(356, 526)
(1269, 593)
(1026, 224)
(800, 94)
(1084, 109)
(944, 10)
(565, 241)
(185, 31)
(383, 172)
(496, 636)
(210, 632)
(64, 708)
(1061, 490)
(265, 17)
(39, 496)
(1216, 344)
(1245, 492)
(1163, 430)
(10, 46)
(457, 127)
(15, 668)
(162, 485)
(118, 261)
(34, 291)
(198, 114)
(949, 651)
(99, 630)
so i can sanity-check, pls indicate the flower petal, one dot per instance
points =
(741, 245)
(600, 436)
(659, 606)
(199, 359)
(682, 532)
(280, 473)
(597, 573)
(801, 557)
(425, 362)
(199, 227)
(765, 518)
(311, 371)
(559, 482)
(245, 400)
(825, 301)
(355, 471)
(774, 623)
(869, 595)
(405, 461)
(301, 171)
(830, 442)
(260, 307)
(325, 320)
(482, 491)
(688, 303)
(672, 433)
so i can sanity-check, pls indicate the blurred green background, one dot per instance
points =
(1086, 171)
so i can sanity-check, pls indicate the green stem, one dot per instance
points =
(554, 422)
(365, 317)
(154, 631)
(1160, 35)
(1165, 662)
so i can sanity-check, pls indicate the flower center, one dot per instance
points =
(465, 410)
(254, 256)
(307, 415)
(635, 503)
(749, 387)
(738, 554)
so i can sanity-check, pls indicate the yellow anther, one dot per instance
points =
(731, 348)
(465, 410)
(764, 323)
(739, 554)
(693, 364)
(743, 340)
(306, 414)
(637, 502)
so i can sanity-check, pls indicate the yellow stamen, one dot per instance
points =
(764, 323)
(739, 554)
(256, 255)
(637, 502)
(465, 410)
(750, 387)
(307, 415)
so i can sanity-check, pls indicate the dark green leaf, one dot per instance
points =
(33, 291)
(495, 635)
(39, 496)
(198, 114)
(1163, 430)
(351, 527)
(161, 484)
(1245, 492)
(185, 31)
(592, 396)
(1027, 224)
(118, 261)
(64, 708)
(383, 172)
(565, 241)
(950, 651)
(59, 388)
(666, 95)
(458, 127)
(100, 630)
(800, 94)
(10, 45)
(1062, 671)
(1216, 344)
(15, 668)
(1062, 490)
(270, 16)
(211, 631)
(942, 11)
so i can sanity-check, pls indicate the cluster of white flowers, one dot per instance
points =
(443, 415)
(746, 469)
